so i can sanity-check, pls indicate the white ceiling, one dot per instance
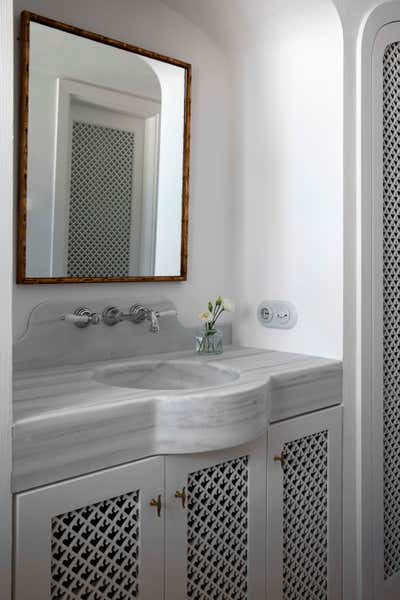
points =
(237, 23)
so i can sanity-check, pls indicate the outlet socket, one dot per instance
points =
(276, 314)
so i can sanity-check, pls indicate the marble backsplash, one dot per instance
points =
(51, 341)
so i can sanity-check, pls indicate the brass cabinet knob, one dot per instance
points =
(280, 458)
(157, 504)
(182, 496)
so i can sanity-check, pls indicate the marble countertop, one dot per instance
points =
(67, 424)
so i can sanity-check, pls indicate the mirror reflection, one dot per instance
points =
(106, 130)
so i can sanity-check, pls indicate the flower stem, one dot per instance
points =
(217, 313)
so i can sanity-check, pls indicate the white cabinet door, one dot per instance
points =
(216, 523)
(94, 537)
(304, 525)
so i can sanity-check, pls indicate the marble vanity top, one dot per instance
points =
(67, 422)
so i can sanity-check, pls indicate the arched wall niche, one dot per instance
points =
(235, 24)
(266, 157)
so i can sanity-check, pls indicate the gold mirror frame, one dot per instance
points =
(26, 19)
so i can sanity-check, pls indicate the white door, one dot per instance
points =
(216, 522)
(304, 524)
(93, 537)
(97, 222)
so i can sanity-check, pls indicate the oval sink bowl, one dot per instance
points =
(167, 375)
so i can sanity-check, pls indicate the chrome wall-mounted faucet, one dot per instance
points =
(111, 315)
(137, 314)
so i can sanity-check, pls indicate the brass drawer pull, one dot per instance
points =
(182, 496)
(157, 503)
(280, 458)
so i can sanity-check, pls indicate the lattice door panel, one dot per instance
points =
(101, 201)
(391, 308)
(95, 551)
(305, 518)
(217, 532)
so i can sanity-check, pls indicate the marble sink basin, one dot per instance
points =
(167, 375)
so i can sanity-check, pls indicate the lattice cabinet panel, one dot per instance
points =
(391, 308)
(305, 517)
(217, 531)
(304, 508)
(93, 538)
(95, 551)
(218, 538)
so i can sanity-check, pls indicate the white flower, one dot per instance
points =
(205, 316)
(228, 305)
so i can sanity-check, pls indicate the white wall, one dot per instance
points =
(6, 234)
(150, 24)
(288, 235)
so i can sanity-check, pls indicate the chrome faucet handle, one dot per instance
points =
(82, 317)
(138, 313)
(112, 315)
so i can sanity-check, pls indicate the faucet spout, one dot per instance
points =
(152, 316)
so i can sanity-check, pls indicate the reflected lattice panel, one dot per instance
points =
(95, 551)
(101, 196)
(391, 307)
(305, 518)
(218, 532)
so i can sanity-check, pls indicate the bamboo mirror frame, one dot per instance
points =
(23, 277)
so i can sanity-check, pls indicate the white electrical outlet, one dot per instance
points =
(277, 315)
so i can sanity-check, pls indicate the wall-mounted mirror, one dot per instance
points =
(104, 163)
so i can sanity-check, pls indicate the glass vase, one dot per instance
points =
(209, 341)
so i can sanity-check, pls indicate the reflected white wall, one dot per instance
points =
(170, 180)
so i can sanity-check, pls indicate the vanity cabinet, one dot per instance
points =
(304, 514)
(240, 524)
(194, 522)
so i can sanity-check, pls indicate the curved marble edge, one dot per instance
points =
(47, 450)
(67, 425)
